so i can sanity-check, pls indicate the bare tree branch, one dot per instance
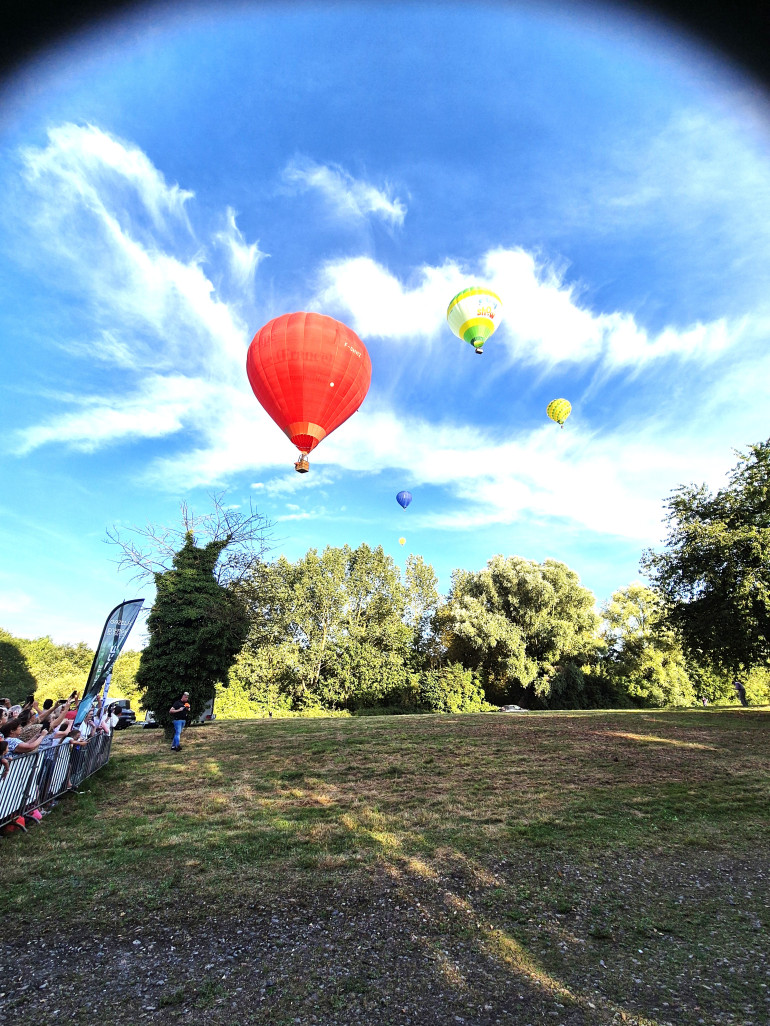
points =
(152, 548)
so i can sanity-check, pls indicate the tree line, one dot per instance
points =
(346, 629)
(46, 669)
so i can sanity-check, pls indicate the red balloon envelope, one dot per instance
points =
(310, 373)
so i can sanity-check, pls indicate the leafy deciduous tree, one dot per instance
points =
(42, 667)
(714, 574)
(451, 689)
(16, 678)
(644, 658)
(519, 623)
(334, 625)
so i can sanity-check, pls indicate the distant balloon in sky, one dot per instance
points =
(474, 314)
(310, 373)
(402, 541)
(559, 410)
(403, 499)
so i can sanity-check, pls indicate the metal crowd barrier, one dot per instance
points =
(36, 779)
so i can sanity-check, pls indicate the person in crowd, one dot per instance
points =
(14, 711)
(11, 732)
(50, 746)
(6, 702)
(79, 738)
(5, 762)
(55, 715)
(34, 722)
(179, 712)
(30, 728)
(72, 706)
(77, 752)
(3, 715)
(108, 720)
(102, 720)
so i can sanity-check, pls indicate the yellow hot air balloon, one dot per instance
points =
(474, 314)
(559, 410)
(402, 541)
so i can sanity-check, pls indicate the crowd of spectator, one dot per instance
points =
(44, 729)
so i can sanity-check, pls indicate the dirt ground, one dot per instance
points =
(653, 941)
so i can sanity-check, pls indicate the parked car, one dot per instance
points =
(126, 714)
(206, 716)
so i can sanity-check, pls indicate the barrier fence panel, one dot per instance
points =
(15, 786)
(37, 778)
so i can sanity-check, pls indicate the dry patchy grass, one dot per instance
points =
(569, 868)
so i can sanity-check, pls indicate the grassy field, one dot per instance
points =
(571, 868)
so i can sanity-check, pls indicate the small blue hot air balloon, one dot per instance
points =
(404, 498)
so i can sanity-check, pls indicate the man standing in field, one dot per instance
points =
(179, 712)
(741, 690)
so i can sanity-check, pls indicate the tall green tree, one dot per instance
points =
(422, 600)
(527, 627)
(196, 627)
(644, 660)
(330, 628)
(263, 671)
(16, 678)
(123, 683)
(714, 573)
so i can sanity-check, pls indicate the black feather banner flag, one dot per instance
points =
(116, 630)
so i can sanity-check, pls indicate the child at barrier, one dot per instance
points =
(11, 731)
(77, 753)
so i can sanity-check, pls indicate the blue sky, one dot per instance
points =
(174, 179)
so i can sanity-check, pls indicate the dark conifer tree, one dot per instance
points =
(196, 629)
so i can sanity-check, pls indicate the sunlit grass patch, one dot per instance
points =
(318, 792)
(651, 738)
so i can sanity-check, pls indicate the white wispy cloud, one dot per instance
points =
(377, 303)
(141, 287)
(291, 484)
(13, 600)
(244, 257)
(611, 484)
(350, 198)
(154, 311)
(86, 161)
(308, 514)
(698, 160)
(162, 408)
(543, 320)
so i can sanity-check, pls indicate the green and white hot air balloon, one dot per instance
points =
(474, 314)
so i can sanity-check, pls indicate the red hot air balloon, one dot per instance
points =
(310, 373)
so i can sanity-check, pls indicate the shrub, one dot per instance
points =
(451, 689)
